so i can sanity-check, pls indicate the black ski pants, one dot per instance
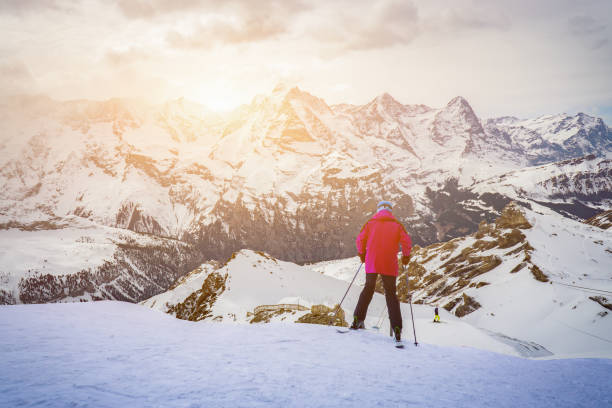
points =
(395, 314)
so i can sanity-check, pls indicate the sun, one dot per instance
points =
(217, 97)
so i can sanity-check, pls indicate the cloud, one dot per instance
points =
(585, 26)
(588, 28)
(364, 26)
(16, 78)
(14, 70)
(228, 22)
(381, 25)
(227, 32)
(145, 9)
(127, 56)
(475, 18)
(333, 28)
(21, 7)
(600, 43)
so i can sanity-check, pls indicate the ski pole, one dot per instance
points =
(345, 293)
(410, 300)
(380, 319)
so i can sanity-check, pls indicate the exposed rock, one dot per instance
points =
(440, 273)
(484, 229)
(264, 313)
(538, 274)
(468, 306)
(603, 220)
(602, 301)
(324, 315)
(198, 305)
(512, 217)
(450, 305)
(518, 267)
(6, 298)
(511, 239)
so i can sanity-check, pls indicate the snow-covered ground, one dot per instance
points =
(557, 314)
(113, 354)
(255, 280)
(559, 317)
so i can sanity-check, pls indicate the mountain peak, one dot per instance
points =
(385, 99)
(459, 105)
(283, 88)
(283, 92)
(458, 101)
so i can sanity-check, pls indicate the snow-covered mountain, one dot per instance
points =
(577, 188)
(232, 292)
(532, 281)
(550, 138)
(532, 274)
(77, 260)
(256, 288)
(287, 174)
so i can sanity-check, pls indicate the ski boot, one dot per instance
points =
(357, 324)
(397, 331)
(398, 334)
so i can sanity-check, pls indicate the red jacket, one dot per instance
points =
(379, 239)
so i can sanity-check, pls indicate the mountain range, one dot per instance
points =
(287, 174)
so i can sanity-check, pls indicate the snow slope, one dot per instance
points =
(548, 282)
(570, 186)
(111, 354)
(516, 314)
(255, 279)
(75, 259)
(493, 269)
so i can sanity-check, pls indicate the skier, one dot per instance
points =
(377, 245)
(436, 315)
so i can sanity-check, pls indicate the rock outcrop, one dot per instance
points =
(321, 314)
(442, 273)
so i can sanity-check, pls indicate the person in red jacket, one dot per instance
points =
(377, 245)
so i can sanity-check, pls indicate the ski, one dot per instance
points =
(342, 331)
(397, 344)
(369, 329)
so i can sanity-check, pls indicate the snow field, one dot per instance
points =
(255, 280)
(110, 354)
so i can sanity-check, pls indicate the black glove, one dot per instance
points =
(405, 259)
(362, 257)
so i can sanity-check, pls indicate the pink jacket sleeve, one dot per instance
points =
(406, 242)
(362, 240)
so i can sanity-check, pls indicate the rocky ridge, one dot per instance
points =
(440, 273)
(603, 220)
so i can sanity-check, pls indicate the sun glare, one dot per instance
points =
(217, 99)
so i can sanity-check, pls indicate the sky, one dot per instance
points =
(520, 58)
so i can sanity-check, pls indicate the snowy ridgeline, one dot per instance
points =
(113, 354)
(176, 171)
